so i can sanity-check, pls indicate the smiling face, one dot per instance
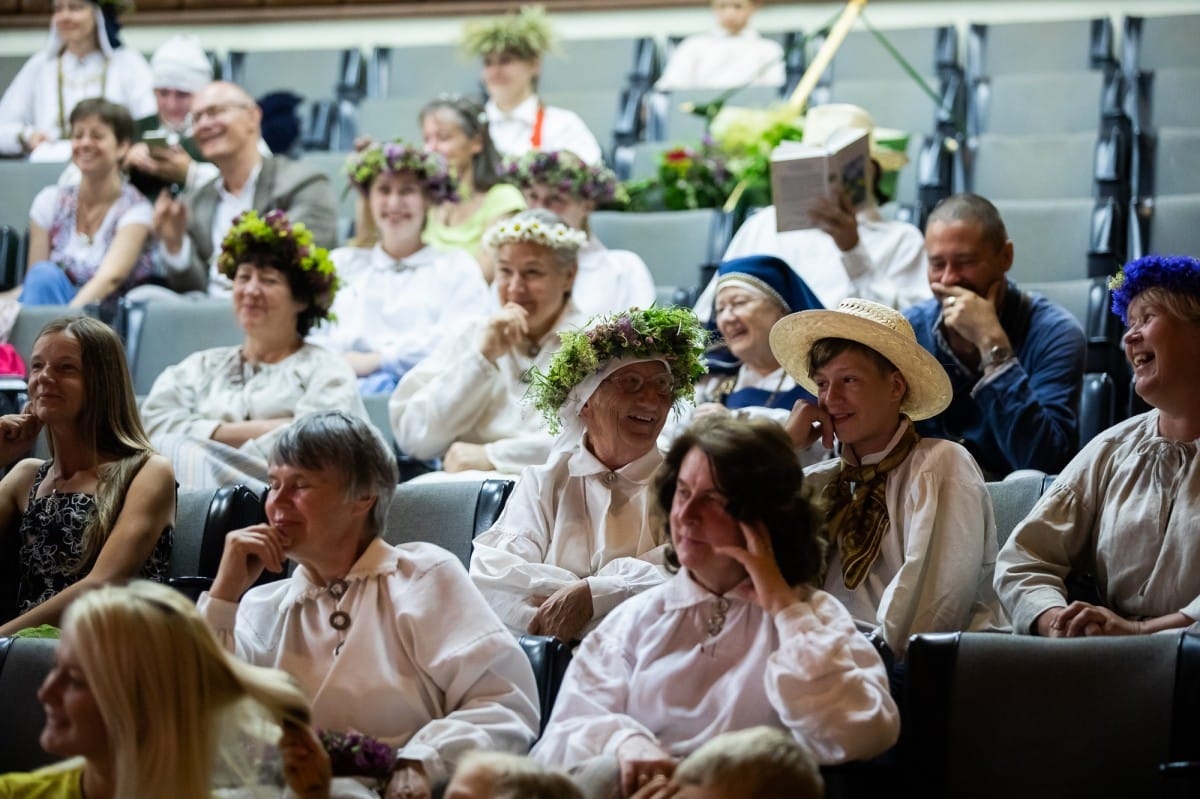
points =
(225, 122)
(442, 134)
(744, 318)
(863, 400)
(398, 206)
(527, 275)
(94, 146)
(570, 209)
(1164, 351)
(56, 383)
(310, 510)
(174, 105)
(75, 23)
(960, 255)
(627, 411)
(74, 725)
(700, 521)
(509, 79)
(263, 301)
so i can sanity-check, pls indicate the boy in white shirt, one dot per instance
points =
(733, 55)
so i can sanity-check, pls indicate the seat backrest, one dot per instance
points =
(449, 513)
(997, 715)
(1162, 41)
(30, 321)
(1035, 167)
(229, 508)
(861, 55)
(588, 64)
(24, 663)
(549, 658)
(1097, 405)
(1041, 46)
(1176, 167)
(385, 119)
(1074, 296)
(311, 73)
(1013, 498)
(674, 244)
(22, 180)
(1051, 238)
(159, 334)
(1173, 227)
(412, 71)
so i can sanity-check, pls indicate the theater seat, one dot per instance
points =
(1097, 405)
(24, 663)
(549, 658)
(992, 716)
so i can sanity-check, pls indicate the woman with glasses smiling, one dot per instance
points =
(575, 539)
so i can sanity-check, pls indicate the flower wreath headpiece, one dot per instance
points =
(430, 169)
(526, 34)
(1178, 274)
(672, 334)
(533, 226)
(567, 172)
(290, 246)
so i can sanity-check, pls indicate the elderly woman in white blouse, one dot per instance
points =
(397, 295)
(739, 637)
(560, 181)
(463, 404)
(576, 539)
(215, 413)
(389, 641)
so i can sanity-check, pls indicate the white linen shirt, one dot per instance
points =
(425, 666)
(888, 264)
(609, 281)
(717, 60)
(400, 308)
(651, 669)
(31, 101)
(936, 562)
(1126, 508)
(572, 518)
(512, 132)
(456, 394)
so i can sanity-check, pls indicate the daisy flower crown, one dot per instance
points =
(526, 34)
(1178, 274)
(430, 169)
(565, 171)
(535, 228)
(284, 245)
(673, 334)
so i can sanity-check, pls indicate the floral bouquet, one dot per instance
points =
(352, 754)
(747, 136)
(687, 178)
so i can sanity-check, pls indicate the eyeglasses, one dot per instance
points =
(633, 383)
(219, 109)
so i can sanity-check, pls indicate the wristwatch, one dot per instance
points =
(995, 356)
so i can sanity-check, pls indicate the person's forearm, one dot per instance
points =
(1171, 621)
(235, 434)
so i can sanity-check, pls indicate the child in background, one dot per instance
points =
(733, 55)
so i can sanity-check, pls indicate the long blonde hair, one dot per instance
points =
(109, 423)
(170, 696)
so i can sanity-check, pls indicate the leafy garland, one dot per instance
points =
(430, 169)
(525, 226)
(673, 334)
(566, 172)
(1178, 274)
(526, 34)
(288, 245)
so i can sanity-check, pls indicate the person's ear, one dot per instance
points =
(899, 387)
(1006, 255)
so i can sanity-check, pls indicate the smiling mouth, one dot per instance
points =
(1141, 359)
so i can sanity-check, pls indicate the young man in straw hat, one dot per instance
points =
(913, 536)
(850, 254)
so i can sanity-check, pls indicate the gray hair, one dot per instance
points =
(348, 446)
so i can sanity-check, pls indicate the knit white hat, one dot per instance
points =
(180, 63)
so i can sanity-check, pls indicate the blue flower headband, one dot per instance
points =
(1178, 274)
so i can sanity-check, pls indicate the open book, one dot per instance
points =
(801, 174)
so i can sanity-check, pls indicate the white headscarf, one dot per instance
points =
(573, 426)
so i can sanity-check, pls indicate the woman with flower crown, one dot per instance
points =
(511, 47)
(396, 295)
(1111, 548)
(216, 412)
(576, 537)
(559, 181)
(83, 58)
(456, 128)
(463, 403)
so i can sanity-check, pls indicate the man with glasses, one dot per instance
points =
(226, 125)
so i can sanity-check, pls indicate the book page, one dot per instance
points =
(799, 177)
(848, 165)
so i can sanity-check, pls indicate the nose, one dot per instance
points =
(49, 687)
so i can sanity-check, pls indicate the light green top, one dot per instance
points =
(503, 198)
(53, 782)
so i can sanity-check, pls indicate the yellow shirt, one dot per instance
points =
(52, 782)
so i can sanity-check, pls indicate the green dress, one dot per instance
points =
(503, 198)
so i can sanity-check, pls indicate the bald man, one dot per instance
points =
(226, 126)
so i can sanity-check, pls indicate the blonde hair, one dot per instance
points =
(755, 763)
(518, 776)
(168, 692)
(109, 423)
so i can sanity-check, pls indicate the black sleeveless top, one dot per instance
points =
(51, 545)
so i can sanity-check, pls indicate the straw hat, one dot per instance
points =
(879, 327)
(822, 120)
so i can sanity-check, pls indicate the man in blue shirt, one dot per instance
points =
(1015, 359)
